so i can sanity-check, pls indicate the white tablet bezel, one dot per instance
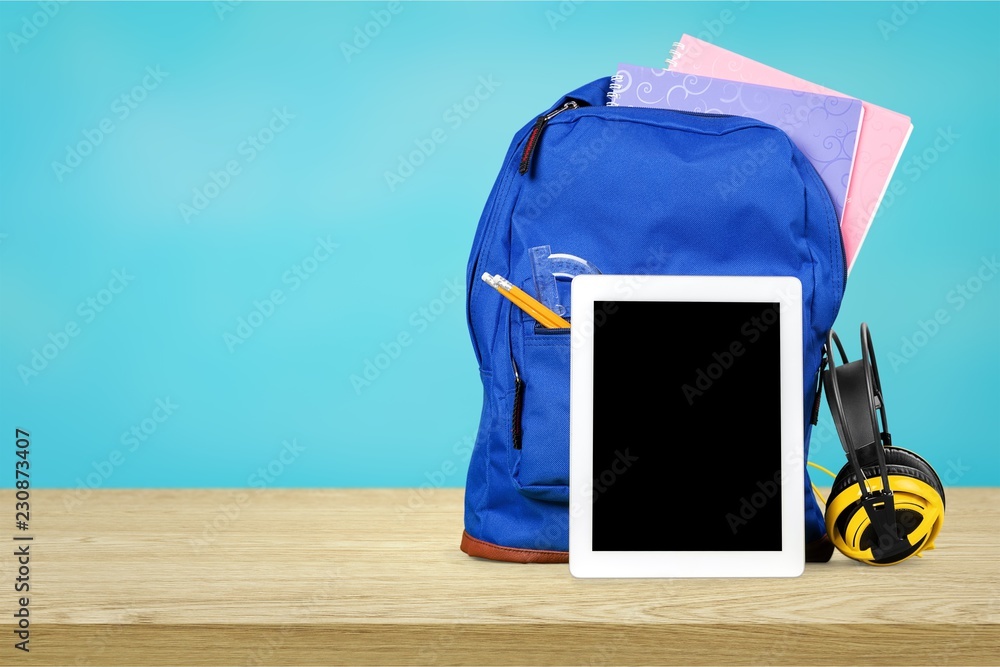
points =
(583, 560)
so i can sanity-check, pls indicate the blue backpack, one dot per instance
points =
(589, 188)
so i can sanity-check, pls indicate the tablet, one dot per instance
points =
(686, 427)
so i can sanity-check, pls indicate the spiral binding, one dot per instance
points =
(676, 52)
(613, 94)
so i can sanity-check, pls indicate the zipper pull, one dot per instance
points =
(515, 417)
(536, 133)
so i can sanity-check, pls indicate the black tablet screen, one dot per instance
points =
(687, 426)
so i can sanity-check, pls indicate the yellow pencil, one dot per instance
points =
(526, 302)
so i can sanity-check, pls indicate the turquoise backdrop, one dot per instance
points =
(233, 235)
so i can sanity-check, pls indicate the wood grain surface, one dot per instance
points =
(375, 577)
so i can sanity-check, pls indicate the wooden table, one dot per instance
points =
(375, 577)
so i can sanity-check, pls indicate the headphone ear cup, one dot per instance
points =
(912, 459)
(899, 462)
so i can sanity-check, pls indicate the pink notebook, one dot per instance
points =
(883, 133)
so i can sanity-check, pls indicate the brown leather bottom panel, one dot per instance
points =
(481, 549)
(818, 551)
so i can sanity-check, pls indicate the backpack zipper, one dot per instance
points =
(518, 406)
(536, 133)
(515, 417)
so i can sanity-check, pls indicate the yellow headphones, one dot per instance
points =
(887, 503)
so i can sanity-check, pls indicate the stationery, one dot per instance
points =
(525, 302)
(824, 127)
(880, 144)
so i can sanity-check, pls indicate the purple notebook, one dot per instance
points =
(824, 127)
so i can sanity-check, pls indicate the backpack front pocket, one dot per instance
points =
(539, 433)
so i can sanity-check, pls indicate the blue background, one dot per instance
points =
(400, 249)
